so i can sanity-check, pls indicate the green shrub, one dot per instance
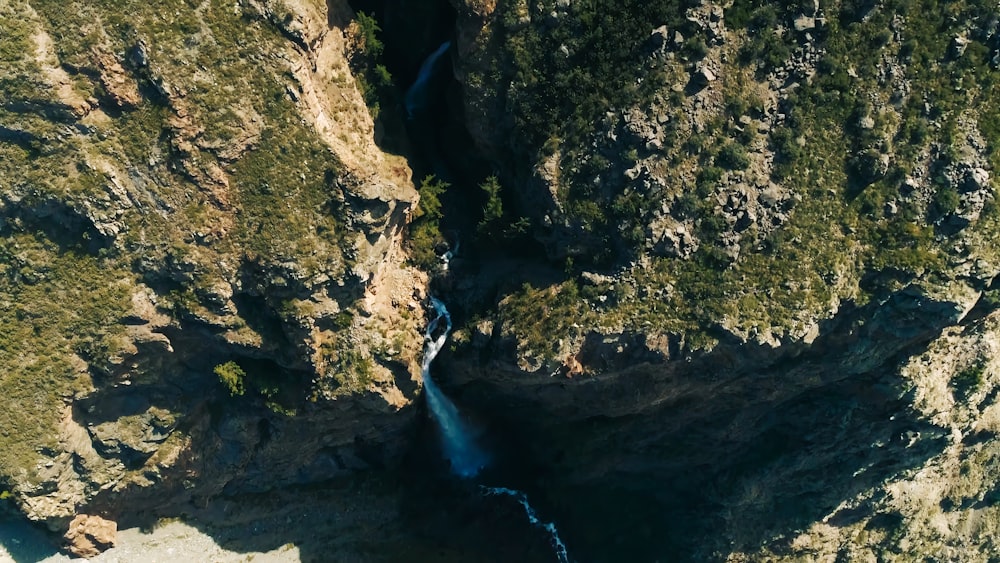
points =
(355, 370)
(970, 379)
(425, 229)
(232, 376)
(343, 320)
(694, 48)
(707, 179)
(945, 201)
(736, 106)
(695, 143)
(733, 156)
(493, 211)
(882, 38)
(369, 31)
(686, 205)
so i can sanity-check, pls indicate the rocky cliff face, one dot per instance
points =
(202, 271)
(776, 245)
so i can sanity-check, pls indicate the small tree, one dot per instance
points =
(945, 201)
(368, 30)
(490, 225)
(373, 78)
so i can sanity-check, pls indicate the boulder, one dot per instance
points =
(675, 242)
(958, 46)
(703, 76)
(771, 196)
(978, 179)
(90, 535)
(659, 36)
(804, 23)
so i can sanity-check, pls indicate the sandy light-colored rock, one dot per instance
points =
(89, 535)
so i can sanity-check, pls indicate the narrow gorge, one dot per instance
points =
(459, 439)
(726, 288)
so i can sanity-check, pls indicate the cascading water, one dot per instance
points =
(460, 447)
(416, 96)
(557, 544)
(459, 443)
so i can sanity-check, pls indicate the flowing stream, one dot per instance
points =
(557, 544)
(459, 440)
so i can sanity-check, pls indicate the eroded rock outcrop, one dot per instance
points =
(761, 326)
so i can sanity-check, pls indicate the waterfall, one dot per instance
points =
(459, 443)
(416, 96)
(557, 544)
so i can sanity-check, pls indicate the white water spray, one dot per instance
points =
(557, 544)
(459, 442)
(460, 447)
(416, 96)
(447, 256)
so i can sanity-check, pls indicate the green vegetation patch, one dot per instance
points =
(232, 377)
(231, 85)
(58, 306)
(555, 72)
(425, 229)
(287, 203)
(555, 94)
(850, 233)
(970, 379)
(539, 316)
(21, 78)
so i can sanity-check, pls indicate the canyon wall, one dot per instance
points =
(728, 294)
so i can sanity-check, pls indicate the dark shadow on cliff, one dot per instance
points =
(382, 505)
(23, 542)
(435, 141)
(255, 479)
(327, 478)
(60, 222)
(687, 461)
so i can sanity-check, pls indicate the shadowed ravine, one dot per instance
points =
(459, 440)
(417, 95)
